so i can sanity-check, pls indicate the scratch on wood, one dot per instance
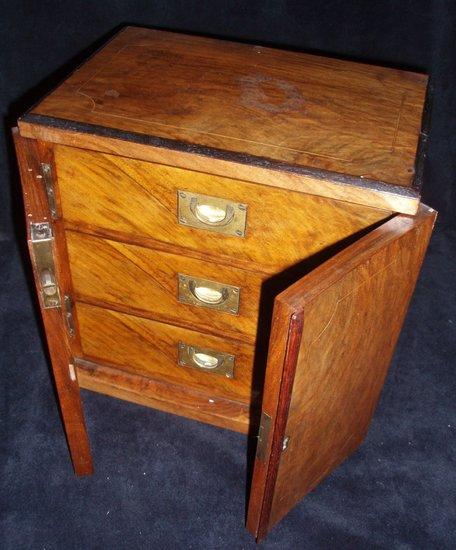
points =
(340, 300)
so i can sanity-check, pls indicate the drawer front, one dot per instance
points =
(166, 352)
(140, 199)
(164, 286)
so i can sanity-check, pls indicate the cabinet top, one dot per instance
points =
(353, 122)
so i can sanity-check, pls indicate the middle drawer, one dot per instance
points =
(144, 281)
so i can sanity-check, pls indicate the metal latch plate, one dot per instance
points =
(42, 246)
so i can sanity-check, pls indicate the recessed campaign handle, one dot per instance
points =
(211, 214)
(216, 214)
(207, 293)
(205, 359)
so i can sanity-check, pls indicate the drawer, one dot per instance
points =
(151, 283)
(152, 349)
(132, 198)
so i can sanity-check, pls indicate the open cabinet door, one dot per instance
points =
(333, 335)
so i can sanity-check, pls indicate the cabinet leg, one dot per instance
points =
(69, 396)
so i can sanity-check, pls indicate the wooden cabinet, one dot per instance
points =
(229, 233)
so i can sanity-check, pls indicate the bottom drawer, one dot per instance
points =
(220, 366)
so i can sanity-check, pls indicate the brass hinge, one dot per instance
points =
(69, 314)
(263, 436)
(43, 254)
(48, 182)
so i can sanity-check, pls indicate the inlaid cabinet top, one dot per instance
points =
(246, 102)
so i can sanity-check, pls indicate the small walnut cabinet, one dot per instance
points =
(230, 233)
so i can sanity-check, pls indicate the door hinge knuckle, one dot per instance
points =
(263, 436)
(69, 318)
(43, 254)
(48, 182)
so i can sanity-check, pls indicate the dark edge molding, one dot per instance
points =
(212, 152)
(423, 140)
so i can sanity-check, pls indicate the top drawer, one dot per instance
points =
(138, 199)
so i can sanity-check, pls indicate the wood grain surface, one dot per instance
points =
(145, 281)
(352, 310)
(304, 110)
(361, 191)
(131, 198)
(61, 346)
(150, 348)
(182, 400)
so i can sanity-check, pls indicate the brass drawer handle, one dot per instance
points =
(206, 359)
(210, 294)
(212, 213)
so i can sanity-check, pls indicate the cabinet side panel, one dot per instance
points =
(61, 345)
